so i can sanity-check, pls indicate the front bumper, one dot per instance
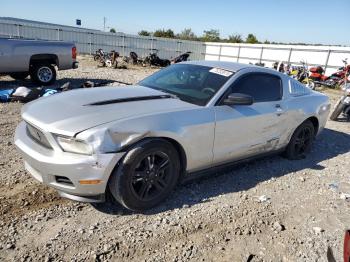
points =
(48, 165)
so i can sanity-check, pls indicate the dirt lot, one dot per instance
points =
(219, 218)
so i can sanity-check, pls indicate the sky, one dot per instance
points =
(307, 21)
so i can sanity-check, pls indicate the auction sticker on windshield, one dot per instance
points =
(220, 71)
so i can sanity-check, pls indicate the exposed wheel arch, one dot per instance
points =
(179, 148)
(181, 152)
(301, 141)
(315, 122)
(44, 58)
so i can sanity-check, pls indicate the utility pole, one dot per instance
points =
(104, 24)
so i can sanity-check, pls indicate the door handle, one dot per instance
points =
(279, 110)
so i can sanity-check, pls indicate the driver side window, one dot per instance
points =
(263, 87)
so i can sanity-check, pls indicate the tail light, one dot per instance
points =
(347, 246)
(74, 52)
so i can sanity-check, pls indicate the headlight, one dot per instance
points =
(74, 146)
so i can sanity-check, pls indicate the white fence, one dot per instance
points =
(329, 57)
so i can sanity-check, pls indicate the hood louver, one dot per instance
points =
(129, 99)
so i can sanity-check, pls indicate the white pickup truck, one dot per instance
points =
(20, 58)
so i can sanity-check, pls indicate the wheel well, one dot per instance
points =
(314, 121)
(180, 151)
(177, 146)
(44, 58)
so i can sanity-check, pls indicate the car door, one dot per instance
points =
(245, 130)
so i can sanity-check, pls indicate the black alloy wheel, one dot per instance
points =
(301, 142)
(151, 176)
(146, 175)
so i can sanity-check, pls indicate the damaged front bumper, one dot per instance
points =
(67, 172)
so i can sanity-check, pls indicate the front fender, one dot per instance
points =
(192, 129)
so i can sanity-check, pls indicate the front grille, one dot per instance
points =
(38, 136)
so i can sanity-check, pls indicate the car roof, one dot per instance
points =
(230, 66)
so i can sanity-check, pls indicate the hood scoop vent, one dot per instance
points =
(128, 99)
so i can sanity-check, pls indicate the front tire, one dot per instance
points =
(301, 142)
(43, 74)
(146, 175)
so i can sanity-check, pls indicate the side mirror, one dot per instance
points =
(238, 99)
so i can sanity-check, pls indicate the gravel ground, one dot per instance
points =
(271, 209)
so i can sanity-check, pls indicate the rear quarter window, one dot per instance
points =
(298, 89)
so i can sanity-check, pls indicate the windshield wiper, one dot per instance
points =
(173, 95)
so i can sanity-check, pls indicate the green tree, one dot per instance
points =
(164, 33)
(235, 38)
(187, 34)
(251, 39)
(145, 33)
(112, 30)
(212, 35)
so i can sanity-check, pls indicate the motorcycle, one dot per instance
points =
(114, 55)
(104, 58)
(279, 66)
(334, 80)
(154, 60)
(181, 58)
(133, 58)
(343, 104)
(302, 75)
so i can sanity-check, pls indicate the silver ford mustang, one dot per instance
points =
(136, 143)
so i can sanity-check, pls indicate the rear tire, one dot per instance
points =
(337, 110)
(19, 75)
(301, 142)
(43, 74)
(146, 175)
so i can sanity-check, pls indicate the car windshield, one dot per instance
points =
(191, 83)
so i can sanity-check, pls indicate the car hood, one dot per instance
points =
(71, 112)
